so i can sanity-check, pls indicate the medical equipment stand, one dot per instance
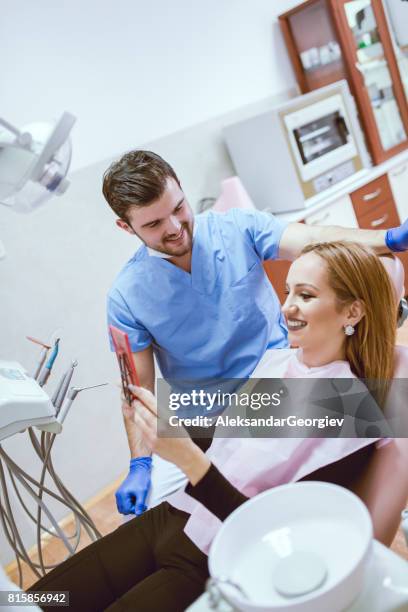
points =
(49, 418)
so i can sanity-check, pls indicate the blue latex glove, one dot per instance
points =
(132, 493)
(396, 238)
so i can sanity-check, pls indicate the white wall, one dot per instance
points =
(132, 72)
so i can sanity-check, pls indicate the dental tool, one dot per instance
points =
(45, 373)
(64, 386)
(43, 355)
(72, 394)
(58, 388)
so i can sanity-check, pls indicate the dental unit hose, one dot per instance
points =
(14, 480)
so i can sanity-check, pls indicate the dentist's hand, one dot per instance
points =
(132, 493)
(182, 451)
(396, 238)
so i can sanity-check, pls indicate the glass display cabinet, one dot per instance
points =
(329, 40)
(397, 15)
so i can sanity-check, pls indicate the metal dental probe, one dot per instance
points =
(72, 393)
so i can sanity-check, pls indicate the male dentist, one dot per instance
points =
(195, 294)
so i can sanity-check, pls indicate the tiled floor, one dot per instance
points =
(105, 515)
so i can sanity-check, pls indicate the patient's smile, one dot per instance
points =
(294, 324)
(312, 312)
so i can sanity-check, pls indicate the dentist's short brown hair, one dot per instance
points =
(138, 178)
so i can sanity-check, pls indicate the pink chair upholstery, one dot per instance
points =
(233, 195)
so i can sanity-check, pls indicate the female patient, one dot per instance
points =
(340, 310)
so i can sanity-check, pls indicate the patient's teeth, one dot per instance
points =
(296, 324)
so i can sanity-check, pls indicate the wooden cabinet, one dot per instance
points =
(374, 205)
(307, 29)
(376, 208)
(397, 12)
(380, 217)
(332, 39)
(371, 195)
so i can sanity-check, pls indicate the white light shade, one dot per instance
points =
(33, 166)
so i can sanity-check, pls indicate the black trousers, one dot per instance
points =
(147, 564)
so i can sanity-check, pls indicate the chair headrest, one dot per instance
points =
(401, 362)
(395, 270)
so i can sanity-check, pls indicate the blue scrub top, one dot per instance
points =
(216, 322)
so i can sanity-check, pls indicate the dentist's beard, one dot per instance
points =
(167, 248)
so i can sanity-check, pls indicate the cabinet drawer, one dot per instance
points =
(380, 217)
(372, 194)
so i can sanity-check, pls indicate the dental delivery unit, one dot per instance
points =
(25, 405)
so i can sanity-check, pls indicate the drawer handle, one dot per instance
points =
(400, 171)
(379, 221)
(319, 221)
(371, 196)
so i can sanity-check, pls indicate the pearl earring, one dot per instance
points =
(349, 330)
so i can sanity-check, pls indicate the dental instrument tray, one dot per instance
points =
(23, 403)
(125, 359)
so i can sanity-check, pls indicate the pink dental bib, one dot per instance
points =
(255, 465)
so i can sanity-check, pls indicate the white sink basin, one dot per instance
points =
(301, 546)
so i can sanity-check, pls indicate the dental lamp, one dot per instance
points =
(34, 163)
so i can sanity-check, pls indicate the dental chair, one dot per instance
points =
(385, 481)
(379, 475)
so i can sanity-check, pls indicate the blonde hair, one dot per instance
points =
(355, 272)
